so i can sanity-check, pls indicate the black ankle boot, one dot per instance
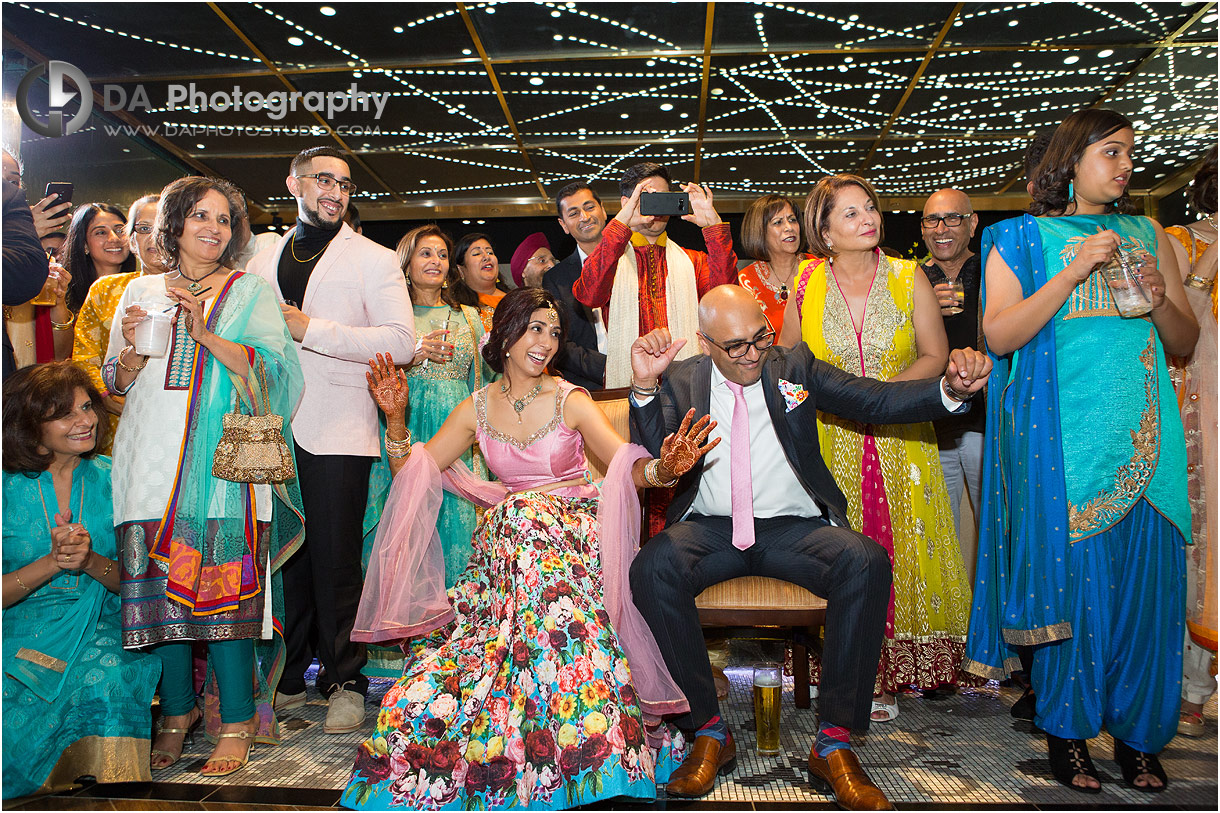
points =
(1070, 759)
(1134, 763)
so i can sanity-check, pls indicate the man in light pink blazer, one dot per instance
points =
(344, 299)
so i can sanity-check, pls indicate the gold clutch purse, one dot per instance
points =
(252, 448)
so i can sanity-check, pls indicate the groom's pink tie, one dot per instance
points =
(739, 471)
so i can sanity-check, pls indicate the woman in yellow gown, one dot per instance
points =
(878, 317)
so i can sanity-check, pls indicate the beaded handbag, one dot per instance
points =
(252, 448)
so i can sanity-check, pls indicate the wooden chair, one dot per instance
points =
(751, 602)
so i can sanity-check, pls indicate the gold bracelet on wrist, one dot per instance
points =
(652, 475)
(66, 325)
(20, 583)
(122, 353)
(397, 449)
(1201, 283)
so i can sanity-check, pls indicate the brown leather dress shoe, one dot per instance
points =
(707, 760)
(841, 776)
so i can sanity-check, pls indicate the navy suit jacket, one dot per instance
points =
(688, 383)
(578, 360)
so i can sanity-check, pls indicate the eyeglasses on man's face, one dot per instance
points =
(736, 350)
(327, 182)
(952, 219)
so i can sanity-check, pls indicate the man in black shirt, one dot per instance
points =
(948, 225)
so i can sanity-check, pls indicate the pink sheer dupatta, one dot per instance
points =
(404, 588)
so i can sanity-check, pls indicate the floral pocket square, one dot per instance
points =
(794, 394)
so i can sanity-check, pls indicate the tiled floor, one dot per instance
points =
(961, 751)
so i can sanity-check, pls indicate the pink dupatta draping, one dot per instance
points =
(404, 588)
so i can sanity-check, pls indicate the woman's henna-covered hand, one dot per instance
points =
(683, 449)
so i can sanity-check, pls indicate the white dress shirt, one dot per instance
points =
(777, 491)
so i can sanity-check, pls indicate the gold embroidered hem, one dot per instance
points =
(41, 658)
(987, 672)
(1042, 635)
(109, 759)
(1105, 509)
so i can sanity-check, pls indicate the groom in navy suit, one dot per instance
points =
(765, 504)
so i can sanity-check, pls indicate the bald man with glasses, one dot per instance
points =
(764, 504)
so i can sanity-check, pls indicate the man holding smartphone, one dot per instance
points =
(657, 284)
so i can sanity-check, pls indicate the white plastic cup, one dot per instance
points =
(152, 333)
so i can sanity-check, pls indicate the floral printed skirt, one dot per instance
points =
(526, 699)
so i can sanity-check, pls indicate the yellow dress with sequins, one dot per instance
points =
(925, 639)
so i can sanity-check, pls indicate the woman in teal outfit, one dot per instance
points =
(446, 368)
(1085, 514)
(75, 703)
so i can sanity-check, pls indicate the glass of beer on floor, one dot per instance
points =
(768, 685)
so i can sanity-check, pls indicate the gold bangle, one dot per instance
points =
(652, 475)
(122, 353)
(109, 565)
(1202, 283)
(20, 583)
(66, 325)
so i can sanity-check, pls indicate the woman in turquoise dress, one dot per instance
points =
(446, 368)
(1085, 516)
(534, 683)
(75, 703)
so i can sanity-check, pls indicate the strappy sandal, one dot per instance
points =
(242, 761)
(189, 732)
(1070, 759)
(1134, 764)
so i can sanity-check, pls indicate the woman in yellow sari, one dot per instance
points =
(875, 316)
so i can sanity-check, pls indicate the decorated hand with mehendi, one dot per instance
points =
(389, 385)
(683, 449)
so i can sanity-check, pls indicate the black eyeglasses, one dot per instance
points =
(952, 219)
(738, 349)
(329, 182)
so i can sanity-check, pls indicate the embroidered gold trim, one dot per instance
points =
(1104, 509)
(1042, 635)
(42, 659)
(983, 670)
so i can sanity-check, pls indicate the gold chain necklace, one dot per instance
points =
(292, 248)
(782, 291)
(519, 404)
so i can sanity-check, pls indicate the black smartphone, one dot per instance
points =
(62, 190)
(665, 204)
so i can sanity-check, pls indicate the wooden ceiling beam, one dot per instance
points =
(142, 133)
(627, 56)
(254, 49)
(708, 28)
(919, 72)
(508, 116)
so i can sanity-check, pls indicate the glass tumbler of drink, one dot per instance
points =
(959, 296)
(47, 295)
(440, 323)
(768, 686)
(1121, 272)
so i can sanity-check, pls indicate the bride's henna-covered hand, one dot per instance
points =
(389, 385)
(683, 449)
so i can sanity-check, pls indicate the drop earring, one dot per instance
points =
(1071, 191)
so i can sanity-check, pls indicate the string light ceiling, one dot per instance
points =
(493, 106)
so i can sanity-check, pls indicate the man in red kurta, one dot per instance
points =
(650, 247)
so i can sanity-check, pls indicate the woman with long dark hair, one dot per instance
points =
(478, 272)
(97, 245)
(1084, 515)
(539, 675)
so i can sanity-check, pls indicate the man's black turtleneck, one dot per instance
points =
(299, 257)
